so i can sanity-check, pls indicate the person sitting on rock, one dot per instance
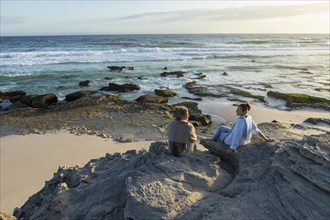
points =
(181, 133)
(241, 131)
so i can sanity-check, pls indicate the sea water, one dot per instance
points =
(56, 64)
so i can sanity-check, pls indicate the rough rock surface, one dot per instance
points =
(144, 185)
(219, 91)
(152, 98)
(127, 87)
(287, 179)
(79, 94)
(12, 96)
(165, 92)
(176, 73)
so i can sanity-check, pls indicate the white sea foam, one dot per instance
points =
(60, 62)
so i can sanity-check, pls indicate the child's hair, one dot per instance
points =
(245, 107)
(180, 112)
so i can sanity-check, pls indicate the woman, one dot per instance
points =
(181, 134)
(241, 132)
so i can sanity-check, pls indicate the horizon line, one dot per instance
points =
(62, 35)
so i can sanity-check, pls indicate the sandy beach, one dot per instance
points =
(28, 161)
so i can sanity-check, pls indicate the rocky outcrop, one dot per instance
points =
(152, 98)
(176, 73)
(288, 179)
(199, 76)
(84, 83)
(128, 87)
(165, 92)
(134, 185)
(219, 91)
(316, 121)
(79, 94)
(294, 100)
(120, 68)
(12, 96)
(44, 100)
(38, 101)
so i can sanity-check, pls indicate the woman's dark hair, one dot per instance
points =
(245, 107)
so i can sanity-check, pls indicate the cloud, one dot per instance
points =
(12, 20)
(234, 13)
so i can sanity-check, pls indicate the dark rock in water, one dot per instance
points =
(108, 78)
(198, 74)
(152, 98)
(315, 121)
(84, 83)
(268, 86)
(79, 94)
(219, 91)
(322, 89)
(17, 105)
(225, 74)
(165, 92)
(44, 100)
(177, 73)
(195, 99)
(28, 99)
(38, 101)
(195, 89)
(165, 68)
(200, 77)
(121, 88)
(12, 96)
(253, 61)
(120, 68)
(306, 72)
(294, 100)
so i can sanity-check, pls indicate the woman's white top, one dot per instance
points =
(241, 132)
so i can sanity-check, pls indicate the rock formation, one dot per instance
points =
(288, 179)
(127, 87)
(120, 68)
(144, 185)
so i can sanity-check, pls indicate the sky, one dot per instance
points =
(62, 17)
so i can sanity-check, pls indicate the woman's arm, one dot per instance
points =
(260, 134)
(265, 137)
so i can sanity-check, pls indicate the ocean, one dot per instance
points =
(56, 64)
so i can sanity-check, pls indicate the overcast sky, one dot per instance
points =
(61, 17)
